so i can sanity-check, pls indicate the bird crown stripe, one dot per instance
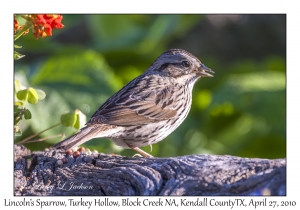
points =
(175, 51)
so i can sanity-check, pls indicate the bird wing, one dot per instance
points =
(141, 105)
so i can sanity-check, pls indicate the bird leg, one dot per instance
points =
(145, 154)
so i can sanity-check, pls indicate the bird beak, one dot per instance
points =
(202, 71)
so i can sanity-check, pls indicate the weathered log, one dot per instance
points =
(38, 173)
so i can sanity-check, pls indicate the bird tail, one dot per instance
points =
(79, 138)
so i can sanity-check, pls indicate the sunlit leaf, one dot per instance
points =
(17, 46)
(22, 95)
(17, 55)
(19, 103)
(32, 96)
(29, 95)
(41, 94)
(68, 119)
(17, 86)
(80, 120)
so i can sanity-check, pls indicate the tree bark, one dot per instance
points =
(38, 173)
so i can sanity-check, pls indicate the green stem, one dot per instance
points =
(19, 117)
(30, 137)
(43, 139)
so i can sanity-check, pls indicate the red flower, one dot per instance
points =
(16, 26)
(44, 23)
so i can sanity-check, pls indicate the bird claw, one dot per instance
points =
(137, 155)
(143, 153)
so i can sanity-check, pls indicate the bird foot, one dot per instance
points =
(143, 153)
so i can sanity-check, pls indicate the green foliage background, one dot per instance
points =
(241, 111)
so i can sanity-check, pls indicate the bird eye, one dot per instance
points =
(185, 63)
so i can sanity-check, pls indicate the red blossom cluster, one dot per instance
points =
(44, 23)
(16, 26)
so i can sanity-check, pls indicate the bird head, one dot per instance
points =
(180, 65)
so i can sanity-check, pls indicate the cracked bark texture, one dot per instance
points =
(39, 174)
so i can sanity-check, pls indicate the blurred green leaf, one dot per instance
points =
(41, 94)
(80, 119)
(32, 96)
(203, 98)
(17, 55)
(258, 81)
(27, 114)
(29, 95)
(74, 119)
(68, 119)
(22, 95)
(18, 133)
(17, 86)
(165, 26)
(19, 103)
(73, 79)
(275, 63)
(258, 104)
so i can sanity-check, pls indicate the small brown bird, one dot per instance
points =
(147, 109)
